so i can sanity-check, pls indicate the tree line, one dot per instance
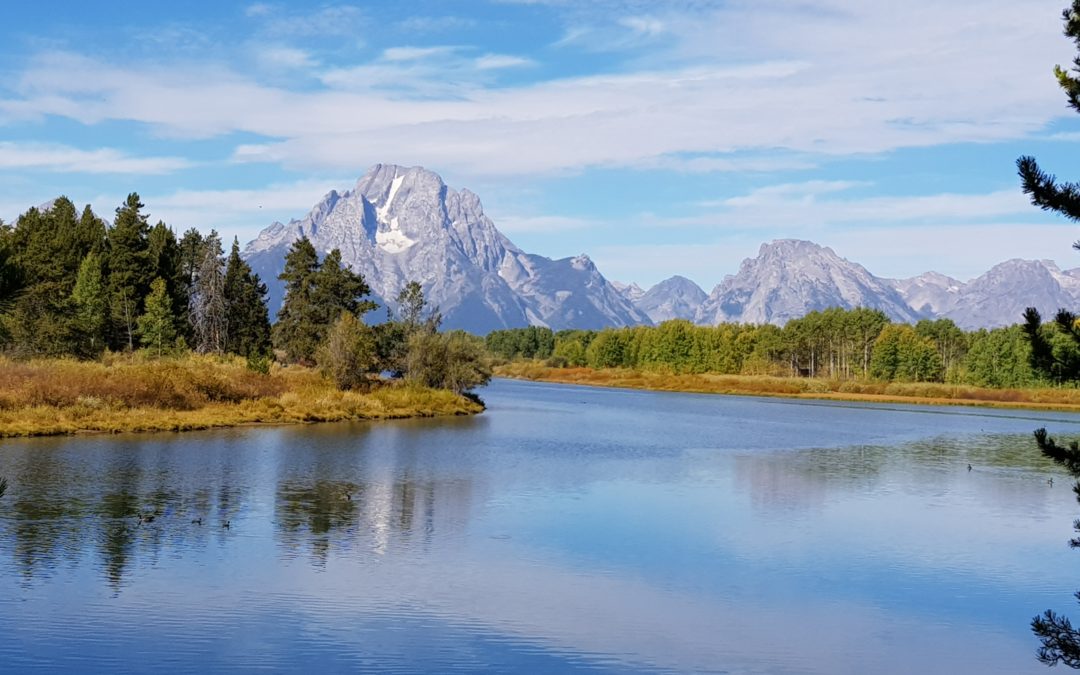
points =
(72, 285)
(836, 343)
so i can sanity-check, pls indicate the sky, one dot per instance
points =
(660, 137)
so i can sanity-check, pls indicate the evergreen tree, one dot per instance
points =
(315, 297)
(164, 253)
(157, 327)
(192, 246)
(1043, 188)
(245, 299)
(90, 306)
(296, 331)
(339, 289)
(209, 307)
(130, 270)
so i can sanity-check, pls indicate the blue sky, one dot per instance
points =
(661, 137)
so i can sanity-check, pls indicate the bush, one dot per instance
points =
(456, 361)
(348, 355)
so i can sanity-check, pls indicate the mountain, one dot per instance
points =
(674, 298)
(999, 297)
(932, 294)
(790, 278)
(404, 224)
(630, 291)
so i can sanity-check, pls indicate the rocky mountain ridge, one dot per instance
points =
(401, 224)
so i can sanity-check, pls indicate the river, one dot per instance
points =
(566, 529)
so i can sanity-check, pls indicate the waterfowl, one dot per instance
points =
(197, 521)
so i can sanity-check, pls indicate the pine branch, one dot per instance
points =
(1046, 192)
(1060, 641)
(1067, 457)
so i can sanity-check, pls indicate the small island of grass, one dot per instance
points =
(130, 393)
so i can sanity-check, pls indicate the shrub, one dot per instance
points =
(348, 356)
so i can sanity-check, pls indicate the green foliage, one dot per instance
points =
(348, 356)
(90, 306)
(392, 337)
(455, 360)
(157, 326)
(901, 354)
(571, 352)
(315, 296)
(245, 301)
(534, 342)
(835, 343)
(130, 270)
(999, 358)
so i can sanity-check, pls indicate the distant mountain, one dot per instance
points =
(790, 278)
(999, 297)
(404, 224)
(931, 294)
(674, 298)
(630, 291)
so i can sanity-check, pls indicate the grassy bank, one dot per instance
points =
(842, 390)
(132, 393)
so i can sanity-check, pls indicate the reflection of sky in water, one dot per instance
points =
(566, 529)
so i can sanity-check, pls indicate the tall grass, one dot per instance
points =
(764, 385)
(135, 393)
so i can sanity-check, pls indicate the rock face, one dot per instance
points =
(674, 298)
(999, 297)
(404, 224)
(931, 294)
(790, 278)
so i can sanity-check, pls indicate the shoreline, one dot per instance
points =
(1053, 400)
(65, 398)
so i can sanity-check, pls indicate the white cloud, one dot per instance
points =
(497, 61)
(326, 21)
(239, 212)
(518, 224)
(285, 57)
(836, 79)
(417, 53)
(436, 24)
(816, 203)
(66, 159)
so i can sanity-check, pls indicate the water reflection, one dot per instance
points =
(373, 516)
(650, 533)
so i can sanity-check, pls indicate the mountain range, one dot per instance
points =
(401, 224)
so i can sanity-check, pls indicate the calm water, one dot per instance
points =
(566, 529)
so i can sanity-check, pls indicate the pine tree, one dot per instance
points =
(130, 269)
(157, 328)
(91, 306)
(297, 330)
(209, 309)
(245, 298)
(164, 254)
(1043, 188)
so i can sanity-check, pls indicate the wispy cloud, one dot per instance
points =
(436, 24)
(816, 203)
(325, 21)
(66, 159)
(237, 211)
(837, 79)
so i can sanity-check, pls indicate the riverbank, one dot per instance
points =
(921, 393)
(134, 394)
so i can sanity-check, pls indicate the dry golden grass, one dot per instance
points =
(760, 385)
(133, 393)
